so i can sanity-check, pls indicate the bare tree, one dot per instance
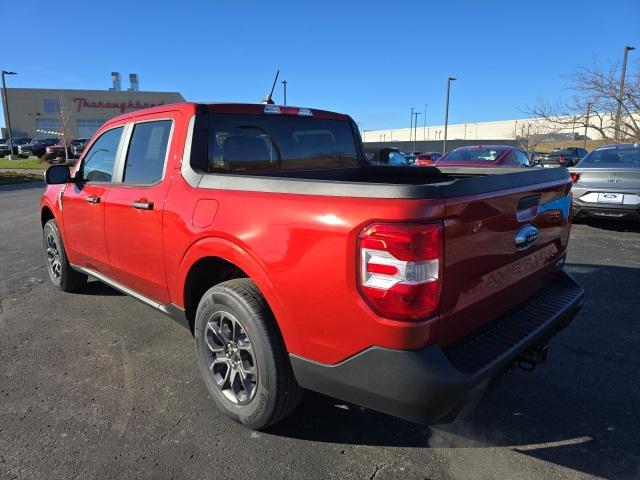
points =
(66, 127)
(529, 135)
(599, 87)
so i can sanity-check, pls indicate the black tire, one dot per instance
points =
(62, 275)
(276, 393)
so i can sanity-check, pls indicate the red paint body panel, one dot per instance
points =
(135, 239)
(84, 232)
(300, 250)
(485, 274)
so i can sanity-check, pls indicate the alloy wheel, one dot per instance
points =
(53, 257)
(231, 358)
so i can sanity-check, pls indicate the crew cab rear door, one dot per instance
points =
(500, 249)
(134, 208)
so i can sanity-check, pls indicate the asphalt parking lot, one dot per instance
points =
(97, 385)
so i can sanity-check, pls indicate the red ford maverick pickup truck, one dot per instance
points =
(297, 265)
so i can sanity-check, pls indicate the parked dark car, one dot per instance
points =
(410, 156)
(55, 154)
(37, 147)
(4, 146)
(563, 157)
(485, 156)
(535, 156)
(390, 156)
(607, 183)
(77, 147)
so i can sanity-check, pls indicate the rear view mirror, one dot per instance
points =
(57, 174)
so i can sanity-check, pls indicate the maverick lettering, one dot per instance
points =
(507, 275)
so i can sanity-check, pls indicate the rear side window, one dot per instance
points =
(246, 144)
(147, 152)
(97, 165)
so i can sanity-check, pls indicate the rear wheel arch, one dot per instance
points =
(202, 275)
(215, 260)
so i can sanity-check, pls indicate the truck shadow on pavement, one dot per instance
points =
(96, 287)
(579, 410)
(12, 187)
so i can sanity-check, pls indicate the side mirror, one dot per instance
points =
(370, 156)
(57, 174)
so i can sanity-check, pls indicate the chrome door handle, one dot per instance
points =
(93, 199)
(143, 205)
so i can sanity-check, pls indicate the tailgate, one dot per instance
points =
(486, 273)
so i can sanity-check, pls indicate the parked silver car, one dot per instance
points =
(607, 183)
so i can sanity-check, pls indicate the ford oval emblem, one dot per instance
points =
(526, 237)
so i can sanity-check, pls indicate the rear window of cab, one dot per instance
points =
(255, 144)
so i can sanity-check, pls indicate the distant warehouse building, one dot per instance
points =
(44, 112)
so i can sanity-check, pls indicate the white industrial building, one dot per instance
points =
(498, 130)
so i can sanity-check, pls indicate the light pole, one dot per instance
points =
(424, 124)
(446, 115)
(415, 130)
(284, 85)
(6, 111)
(627, 49)
(586, 125)
(411, 127)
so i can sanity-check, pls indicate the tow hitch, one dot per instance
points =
(532, 357)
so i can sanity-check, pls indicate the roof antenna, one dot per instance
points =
(267, 100)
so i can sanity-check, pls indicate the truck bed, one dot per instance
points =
(389, 182)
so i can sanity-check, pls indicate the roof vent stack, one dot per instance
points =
(115, 79)
(133, 81)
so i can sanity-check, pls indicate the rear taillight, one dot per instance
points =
(574, 177)
(400, 269)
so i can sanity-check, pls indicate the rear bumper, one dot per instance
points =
(434, 385)
(585, 204)
(600, 210)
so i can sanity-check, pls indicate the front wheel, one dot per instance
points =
(61, 273)
(242, 357)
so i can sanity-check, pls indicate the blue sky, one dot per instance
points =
(371, 59)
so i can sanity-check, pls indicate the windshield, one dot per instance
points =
(479, 154)
(614, 157)
(262, 143)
